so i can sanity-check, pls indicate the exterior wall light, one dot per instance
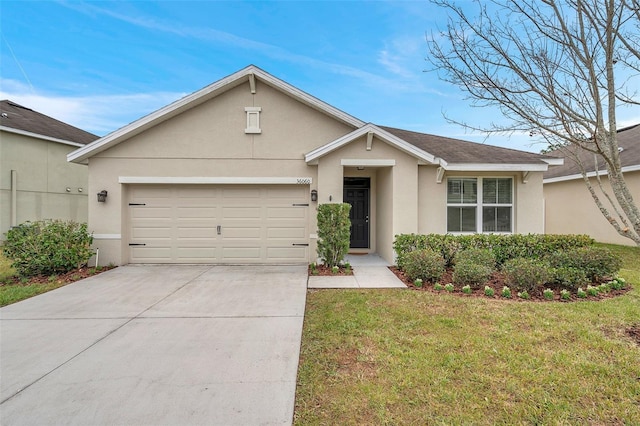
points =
(102, 196)
(314, 195)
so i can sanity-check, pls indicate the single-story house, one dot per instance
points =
(36, 181)
(234, 172)
(570, 208)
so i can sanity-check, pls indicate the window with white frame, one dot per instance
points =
(480, 205)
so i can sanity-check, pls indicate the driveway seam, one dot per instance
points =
(100, 339)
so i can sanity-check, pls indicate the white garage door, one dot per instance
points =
(227, 224)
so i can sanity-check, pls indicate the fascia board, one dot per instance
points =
(554, 161)
(313, 156)
(488, 167)
(194, 99)
(39, 136)
(625, 169)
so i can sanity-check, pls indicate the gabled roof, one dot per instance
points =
(628, 142)
(16, 118)
(448, 153)
(244, 76)
(402, 145)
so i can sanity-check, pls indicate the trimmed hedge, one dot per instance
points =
(473, 267)
(426, 264)
(527, 274)
(334, 227)
(48, 247)
(597, 263)
(504, 247)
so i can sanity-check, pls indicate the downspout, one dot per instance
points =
(14, 198)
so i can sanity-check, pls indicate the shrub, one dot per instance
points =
(48, 247)
(449, 287)
(474, 267)
(569, 277)
(592, 291)
(581, 293)
(437, 287)
(504, 247)
(524, 295)
(526, 274)
(418, 282)
(595, 263)
(425, 264)
(488, 291)
(334, 229)
(565, 294)
(467, 289)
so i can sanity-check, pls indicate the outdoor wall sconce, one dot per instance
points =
(102, 196)
(314, 195)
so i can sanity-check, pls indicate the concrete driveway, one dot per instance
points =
(150, 345)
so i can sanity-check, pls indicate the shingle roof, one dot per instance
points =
(22, 118)
(628, 141)
(459, 151)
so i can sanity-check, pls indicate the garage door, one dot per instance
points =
(226, 224)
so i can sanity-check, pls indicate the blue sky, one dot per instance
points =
(101, 65)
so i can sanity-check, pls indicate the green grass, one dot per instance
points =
(12, 291)
(410, 357)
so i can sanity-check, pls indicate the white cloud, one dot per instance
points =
(99, 114)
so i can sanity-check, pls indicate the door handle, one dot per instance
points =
(219, 229)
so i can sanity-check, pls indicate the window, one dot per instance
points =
(479, 204)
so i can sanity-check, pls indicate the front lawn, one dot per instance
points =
(415, 357)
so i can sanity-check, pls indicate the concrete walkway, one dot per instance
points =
(369, 271)
(151, 345)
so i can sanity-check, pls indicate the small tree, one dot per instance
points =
(334, 230)
(558, 70)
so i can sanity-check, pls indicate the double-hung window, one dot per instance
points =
(480, 205)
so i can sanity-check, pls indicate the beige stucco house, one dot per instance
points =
(36, 181)
(233, 173)
(570, 209)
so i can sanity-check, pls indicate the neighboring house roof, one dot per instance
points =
(628, 142)
(16, 118)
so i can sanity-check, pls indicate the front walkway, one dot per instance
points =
(369, 271)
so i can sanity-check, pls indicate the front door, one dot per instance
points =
(356, 193)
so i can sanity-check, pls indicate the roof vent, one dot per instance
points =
(5, 115)
(620, 149)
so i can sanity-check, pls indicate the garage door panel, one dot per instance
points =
(258, 224)
(284, 253)
(200, 212)
(286, 233)
(242, 233)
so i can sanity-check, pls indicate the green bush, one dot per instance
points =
(473, 267)
(334, 228)
(526, 274)
(598, 263)
(48, 247)
(504, 247)
(569, 277)
(424, 264)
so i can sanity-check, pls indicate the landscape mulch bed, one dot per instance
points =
(497, 282)
(67, 278)
(324, 270)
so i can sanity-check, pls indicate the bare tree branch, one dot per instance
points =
(559, 69)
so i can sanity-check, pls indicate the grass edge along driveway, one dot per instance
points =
(408, 357)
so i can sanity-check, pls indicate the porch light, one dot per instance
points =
(102, 196)
(314, 195)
